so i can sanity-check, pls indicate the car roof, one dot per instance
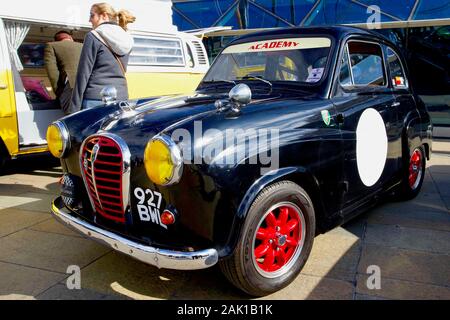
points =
(337, 32)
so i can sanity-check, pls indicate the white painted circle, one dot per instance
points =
(371, 147)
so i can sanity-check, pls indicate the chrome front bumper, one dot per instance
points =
(163, 259)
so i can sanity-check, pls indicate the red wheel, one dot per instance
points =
(275, 241)
(413, 174)
(415, 169)
(279, 239)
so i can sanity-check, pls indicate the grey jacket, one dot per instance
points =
(99, 68)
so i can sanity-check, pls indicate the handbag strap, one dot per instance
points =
(100, 38)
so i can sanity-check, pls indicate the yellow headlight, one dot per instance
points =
(162, 160)
(57, 139)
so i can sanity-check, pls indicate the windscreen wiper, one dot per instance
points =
(250, 77)
(220, 80)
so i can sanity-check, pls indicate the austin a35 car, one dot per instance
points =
(291, 133)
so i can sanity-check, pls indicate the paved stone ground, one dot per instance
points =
(409, 241)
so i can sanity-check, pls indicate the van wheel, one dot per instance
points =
(413, 174)
(275, 241)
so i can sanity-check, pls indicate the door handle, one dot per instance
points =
(395, 105)
(340, 118)
(3, 86)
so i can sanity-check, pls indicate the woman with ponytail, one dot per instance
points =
(104, 58)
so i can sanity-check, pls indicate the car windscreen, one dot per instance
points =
(295, 59)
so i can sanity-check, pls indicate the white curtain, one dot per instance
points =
(15, 34)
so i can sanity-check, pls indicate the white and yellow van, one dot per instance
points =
(163, 61)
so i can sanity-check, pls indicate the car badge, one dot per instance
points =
(94, 153)
(326, 117)
(85, 162)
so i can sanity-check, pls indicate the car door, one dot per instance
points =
(405, 102)
(366, 111)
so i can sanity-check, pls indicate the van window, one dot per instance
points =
(157, 52)
(397, 73)
(33, 78)
(190, 57)
(32, 55)
(366, 61)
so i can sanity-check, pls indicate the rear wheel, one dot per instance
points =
(413, 174)
(275, 242)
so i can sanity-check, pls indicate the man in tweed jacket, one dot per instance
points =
(61, 61)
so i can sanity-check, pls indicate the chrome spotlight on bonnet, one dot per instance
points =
(241, 95)
(109, 95)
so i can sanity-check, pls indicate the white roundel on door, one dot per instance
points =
(371, 147)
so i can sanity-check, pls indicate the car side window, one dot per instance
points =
(397, 73)
(366, 65)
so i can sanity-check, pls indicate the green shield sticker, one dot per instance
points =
(326, 116)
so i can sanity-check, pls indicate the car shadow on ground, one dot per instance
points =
(33, 165)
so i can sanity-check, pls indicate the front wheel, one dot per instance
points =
(275, 242)
(413, 174)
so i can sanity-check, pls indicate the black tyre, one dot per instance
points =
(275, 241)
(414, 164)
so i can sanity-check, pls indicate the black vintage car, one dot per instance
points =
(291, 133)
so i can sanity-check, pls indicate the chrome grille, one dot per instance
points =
(105, 173)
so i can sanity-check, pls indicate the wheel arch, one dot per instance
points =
(411, 137)
(299, 175)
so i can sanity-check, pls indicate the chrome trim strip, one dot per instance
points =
(94, 154)
(91, 200)
(126, 168)
(160, 258)
(349, 62)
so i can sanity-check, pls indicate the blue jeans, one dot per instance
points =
(89, 104)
